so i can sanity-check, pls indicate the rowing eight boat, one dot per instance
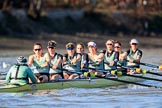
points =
(73, 83)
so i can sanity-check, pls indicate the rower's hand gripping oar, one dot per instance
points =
(114, 72)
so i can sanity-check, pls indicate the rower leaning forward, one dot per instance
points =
(110, 57)
(80, 48)
(55, 63)
(71, 62)
(95, 64)
(133, 55)
(39, 62)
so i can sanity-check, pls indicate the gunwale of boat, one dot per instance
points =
(74, 83)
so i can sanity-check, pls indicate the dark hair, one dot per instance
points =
(80, 44)
(37, 43)
(118, 42)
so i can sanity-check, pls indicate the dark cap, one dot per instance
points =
(51, 43)
(70, 46)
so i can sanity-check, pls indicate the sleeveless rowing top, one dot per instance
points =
(53, 61)
(72, 67)
(93, 64)
(122, 62)
(84, 60)
(39, 63)
(109, 57)
(134, 55)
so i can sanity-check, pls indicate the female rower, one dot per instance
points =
(84, 59)
(40, 61)
(110, 57)
(117, 48)
(96, 64)
(55, 71)
(134, 54)
(20, 73)
(71, 62)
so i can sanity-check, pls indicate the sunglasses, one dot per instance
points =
(70, 48)
(109, 44)
(117, 47)
(37, 49)
(134, 44)
(51, 47)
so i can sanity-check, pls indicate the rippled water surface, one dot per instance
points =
(125, 96)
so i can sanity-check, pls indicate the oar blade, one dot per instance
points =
(160, 67)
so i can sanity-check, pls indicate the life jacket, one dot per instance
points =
(17, 71)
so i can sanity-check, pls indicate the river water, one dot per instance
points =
(124, 96)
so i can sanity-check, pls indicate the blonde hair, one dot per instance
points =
(110, 40)
(80, 44)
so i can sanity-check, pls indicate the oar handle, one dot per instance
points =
(101, 70)
(72, 71)
(112, 71)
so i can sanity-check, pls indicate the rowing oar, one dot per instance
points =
(72, 71)
(149, 65)
(3, 73)
(124, 81)
(153, 73)
(142, 77)
(141, 70)
(129, 82)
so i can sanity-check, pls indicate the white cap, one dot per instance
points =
(134, 41)
(92, 44)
